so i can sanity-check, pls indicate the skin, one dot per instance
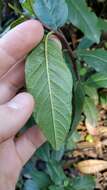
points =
(15, 110)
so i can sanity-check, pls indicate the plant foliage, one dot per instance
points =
(65, 80)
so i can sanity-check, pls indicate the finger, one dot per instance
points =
(12, 82)
(18, 42)
(14, 115)
(28, 143)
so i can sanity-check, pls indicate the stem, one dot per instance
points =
(73, 59)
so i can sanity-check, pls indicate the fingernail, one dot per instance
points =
(18, 102)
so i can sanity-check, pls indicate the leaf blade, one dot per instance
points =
(52, 91)
(51, 12)
(96, 59)
(97, 80)
(85, 20)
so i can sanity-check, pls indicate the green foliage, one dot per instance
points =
(30, 185)
(103, 24)
(81, 17)
(66, 83)
(97, 59)
(90, 112)
(79, 96)
(83, 183)
(28, 5)
(52, 91)
(91, 92)
(97, 80)
(72, 140)
(52, 13)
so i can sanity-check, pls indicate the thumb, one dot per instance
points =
(14, 114)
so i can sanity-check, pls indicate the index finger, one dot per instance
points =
(18, 42)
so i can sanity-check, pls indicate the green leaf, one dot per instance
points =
(72, 140)
(103, 100)
(43, 152)
(96, 59)
(30, 185)
(83, 183)
(97, 80)
(92, 93)
(102, 24)
(57, 155)
(79, 97)
(90, 112)
(54, 187)
(85, 43)
(56, 173)
(52, 13)
(69, 63)
(46, 153)
(41, 179)
(81, 17)
(49, 80)
(28, 5)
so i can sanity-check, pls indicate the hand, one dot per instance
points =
(16, 109)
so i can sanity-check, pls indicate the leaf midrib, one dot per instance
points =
(49, 85)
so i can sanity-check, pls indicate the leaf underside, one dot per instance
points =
(49, 80)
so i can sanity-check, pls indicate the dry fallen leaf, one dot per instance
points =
(102, 131)
(91, 166)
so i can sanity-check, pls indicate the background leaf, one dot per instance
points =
(52, 91)
(90, 112)
(56, 173)
(30, 185)
(41, 179)
(72, 140)
(102, 24)
(97, 80)
(52, 13)
(92, 93)
(28, 5)
(81, 17)
(85, 43)
(84, 183)
(79, 97)
(96, 59)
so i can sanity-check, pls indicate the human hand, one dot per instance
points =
(16, 109)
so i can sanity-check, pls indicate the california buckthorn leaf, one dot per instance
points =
(52, 13)
(81, 17)
(49, 80)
